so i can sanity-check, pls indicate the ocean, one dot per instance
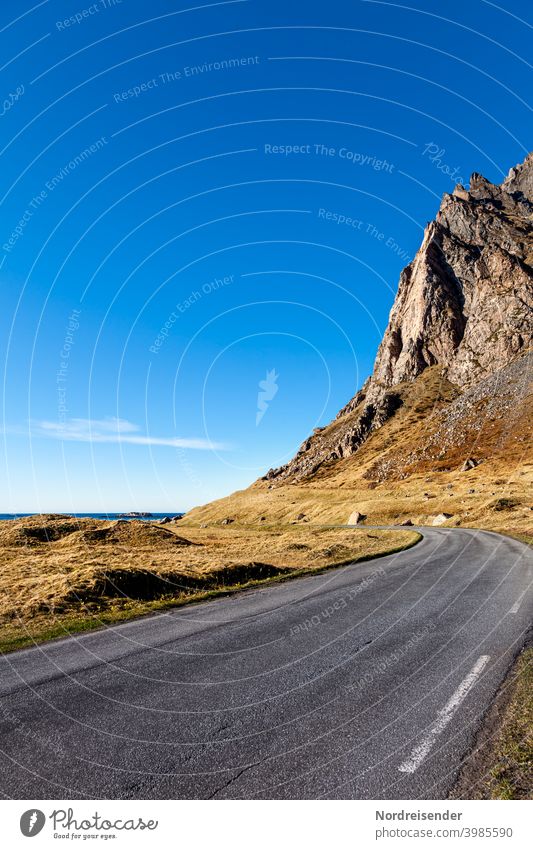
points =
(149, 517)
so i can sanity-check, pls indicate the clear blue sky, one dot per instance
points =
(197, 201)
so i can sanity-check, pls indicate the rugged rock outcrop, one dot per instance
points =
(493, 417)
(464, 303)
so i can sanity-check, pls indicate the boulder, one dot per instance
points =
(441, 518)
(356, 518)
(406, 522)
(165, 520)
(227, 521)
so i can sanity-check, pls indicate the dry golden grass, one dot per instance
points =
(60, 572)
(499, 502)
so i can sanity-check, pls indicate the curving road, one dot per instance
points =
(368, 681)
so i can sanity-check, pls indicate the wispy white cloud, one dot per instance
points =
(115, 430)
(69, 428)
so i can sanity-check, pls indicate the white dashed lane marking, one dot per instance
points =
(444, 716)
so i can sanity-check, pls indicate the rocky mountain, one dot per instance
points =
(464, 304)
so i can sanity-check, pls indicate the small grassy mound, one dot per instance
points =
(143, 585)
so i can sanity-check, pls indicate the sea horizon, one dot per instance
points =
(129, 514)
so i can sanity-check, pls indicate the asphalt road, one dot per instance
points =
(367, 681)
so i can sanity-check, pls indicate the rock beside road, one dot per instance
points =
(442, 518)
(356, 518)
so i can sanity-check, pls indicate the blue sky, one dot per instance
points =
(204, 214)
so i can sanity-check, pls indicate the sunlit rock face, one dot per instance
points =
(464, 303)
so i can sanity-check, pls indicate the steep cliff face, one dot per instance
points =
(465, 303)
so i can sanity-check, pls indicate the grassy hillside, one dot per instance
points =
(413, 466)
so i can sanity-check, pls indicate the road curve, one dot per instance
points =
(367, 681)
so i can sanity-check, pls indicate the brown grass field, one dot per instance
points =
(61, 575)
